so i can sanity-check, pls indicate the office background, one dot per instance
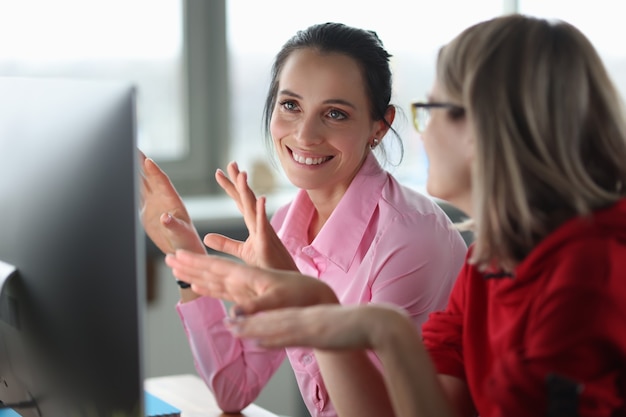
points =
(202, 70)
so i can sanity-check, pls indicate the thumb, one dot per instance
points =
(223, 244)
(177, 233)
(172, 224)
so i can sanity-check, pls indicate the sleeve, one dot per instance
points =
(442, 334)
(416, 262)
(235, 370)
(575, 331)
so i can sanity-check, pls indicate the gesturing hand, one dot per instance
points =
(332, 327)
(263, 247)
(251, 288)
(163, 213)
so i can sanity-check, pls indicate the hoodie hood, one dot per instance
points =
(604, 224)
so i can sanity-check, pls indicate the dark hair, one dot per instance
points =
(364, 46)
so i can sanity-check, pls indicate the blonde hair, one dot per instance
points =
(549, 126)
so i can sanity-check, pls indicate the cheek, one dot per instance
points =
(448, 169)
(278, 129)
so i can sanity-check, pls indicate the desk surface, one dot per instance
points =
(190, 394)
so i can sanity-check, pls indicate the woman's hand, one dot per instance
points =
(163, 213)
(252, 289)
(331, 327)
(263, 247)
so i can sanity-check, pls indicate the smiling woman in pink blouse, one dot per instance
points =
(351, 225)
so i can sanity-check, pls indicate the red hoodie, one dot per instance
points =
(562, 315)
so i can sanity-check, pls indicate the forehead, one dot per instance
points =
(308, 70)
(437, 93)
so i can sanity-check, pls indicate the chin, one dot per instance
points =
(433, 191)
(302, 183)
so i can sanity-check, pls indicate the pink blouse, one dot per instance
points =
(383, 243)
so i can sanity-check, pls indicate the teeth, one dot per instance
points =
(308, 161)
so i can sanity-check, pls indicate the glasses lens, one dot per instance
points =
(421, 115)
(414, 110)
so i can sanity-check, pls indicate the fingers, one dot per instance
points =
(223, 244)
(322, 326)
(248, 199)
(228, 186)
(278, 328)
(150, 173)
(141, 158)
(261, 220)
(270, 329)
(236, 186)
(145, 186)
(150, 167)
(214, 276)
(190, 271)
(156, 179)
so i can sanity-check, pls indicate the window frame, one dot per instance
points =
(205, 63)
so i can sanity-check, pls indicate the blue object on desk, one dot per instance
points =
(154, 406)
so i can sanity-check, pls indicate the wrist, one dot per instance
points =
(388, 325)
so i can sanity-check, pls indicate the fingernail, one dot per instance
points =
(166, 218)
(232, 324)
(233, 320)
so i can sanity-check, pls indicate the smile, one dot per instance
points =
(308, 160)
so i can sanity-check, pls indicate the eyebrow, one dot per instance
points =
(329, 101)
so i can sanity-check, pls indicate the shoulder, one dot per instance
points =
(410, 207)
(589, 263)
(286, 207)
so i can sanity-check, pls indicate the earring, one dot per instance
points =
(374, 143)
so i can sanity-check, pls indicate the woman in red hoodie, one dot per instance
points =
(526, 133)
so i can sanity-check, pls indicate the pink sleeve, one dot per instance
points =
(443, 331)
(234, 370)
(416, 264)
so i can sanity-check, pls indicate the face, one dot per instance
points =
(449, 145)
(321, 124)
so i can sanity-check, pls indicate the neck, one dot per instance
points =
(463, 203)
(315, 226)
(324, 204)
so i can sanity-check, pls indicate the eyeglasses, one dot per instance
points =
(421, 112)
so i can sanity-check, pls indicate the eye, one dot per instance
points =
(337, 114)
(289, 105)
(456, 112)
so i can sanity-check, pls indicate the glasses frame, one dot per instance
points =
(420, 112)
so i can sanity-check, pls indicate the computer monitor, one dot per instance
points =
(72, 249)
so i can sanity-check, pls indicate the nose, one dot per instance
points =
(310, 130)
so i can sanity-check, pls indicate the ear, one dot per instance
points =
(382, 127)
